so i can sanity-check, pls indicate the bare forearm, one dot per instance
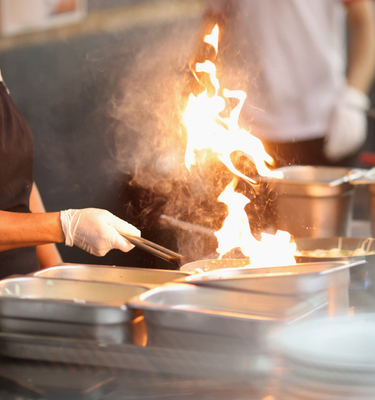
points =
(21, 230)
(48, 254)
(361, 60)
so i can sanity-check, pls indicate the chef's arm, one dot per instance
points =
(361, 52)
(29, 229)
(48, 255)
(94, 230)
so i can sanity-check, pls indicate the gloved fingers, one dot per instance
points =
(354, 98)
(96, 231)
(111, 240)
(124, 227)
(118, 242)
(346, 133)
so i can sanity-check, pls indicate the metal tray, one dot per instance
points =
(144, 276)
(130, 357)
(362, 277)
(69, 301)
(298, 279)
(108, 333)
(212, 265)
(191, 317)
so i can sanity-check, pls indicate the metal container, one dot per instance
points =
(143, 276)
(212, 265)
(107, 333)
(140, 361)
(307, 205)
(292, 280)
(68, 301)
(214, 320)
(362, 277)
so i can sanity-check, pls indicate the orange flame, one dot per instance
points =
(213, 38)
(207, 129)
(276, 250)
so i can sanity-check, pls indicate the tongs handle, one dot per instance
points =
(155, 249)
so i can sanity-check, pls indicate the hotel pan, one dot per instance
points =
(299, 279)
(211, 265)
(143, 276)
(106, 333)
(362, 276)
(208, 319)
(68, 301)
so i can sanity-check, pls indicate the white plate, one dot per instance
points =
(342, 343)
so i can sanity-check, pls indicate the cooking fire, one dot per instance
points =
(212, 125)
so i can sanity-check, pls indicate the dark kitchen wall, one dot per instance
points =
(65, 90)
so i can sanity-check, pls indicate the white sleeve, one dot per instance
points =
(217, 5)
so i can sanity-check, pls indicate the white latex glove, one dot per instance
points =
(96, 231)
(347, 129)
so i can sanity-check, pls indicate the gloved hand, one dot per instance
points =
(96, 231)
(347, 129)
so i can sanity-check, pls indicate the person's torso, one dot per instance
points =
(16, 156)
(16, 179)
(294, 55)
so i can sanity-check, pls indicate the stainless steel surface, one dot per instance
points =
(212, 265)
(356, 177)
(214, 320)
(126, 356)
(362, 277)
(66, 300)
(306, 205)
(287, 280)
(203, 303)
(143, 276)
(360, 229)
(107, 333)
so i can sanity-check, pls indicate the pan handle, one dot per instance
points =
(157, 250)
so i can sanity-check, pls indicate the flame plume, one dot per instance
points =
(211, 124)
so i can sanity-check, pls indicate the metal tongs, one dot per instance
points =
(157, 250)
(356, 177)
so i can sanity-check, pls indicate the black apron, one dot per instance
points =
(16, 179)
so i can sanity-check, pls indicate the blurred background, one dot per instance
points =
(97, 79)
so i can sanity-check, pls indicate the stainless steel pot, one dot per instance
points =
(308, 205)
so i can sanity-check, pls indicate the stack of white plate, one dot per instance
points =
(328, 359)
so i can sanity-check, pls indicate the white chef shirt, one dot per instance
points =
(295, 57)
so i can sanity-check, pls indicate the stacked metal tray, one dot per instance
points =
(59, 307)
(213, 320)
(78, 301)
(83, 272)
(159, 310)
